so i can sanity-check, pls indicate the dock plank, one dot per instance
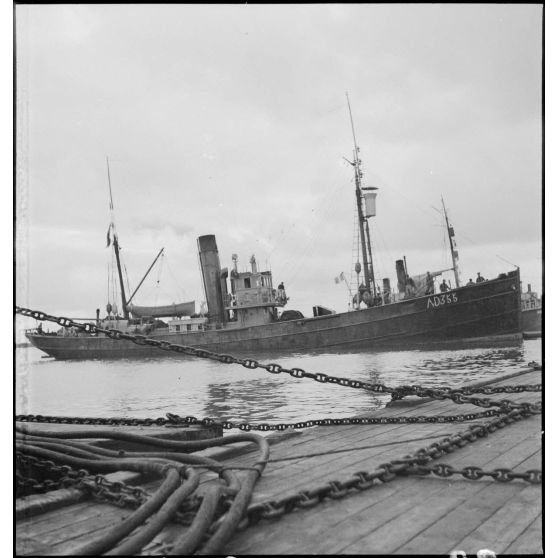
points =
(529, 541)
(503, 527)
(361, 513)
(468, 515)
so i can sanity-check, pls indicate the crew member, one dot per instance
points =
(444, 287)
(470, 283)
(429, 283)
(480, 278)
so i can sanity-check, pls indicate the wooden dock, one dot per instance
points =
(407, 515)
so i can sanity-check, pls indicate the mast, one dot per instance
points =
(454, 253)
(117, 249)
(362, 221)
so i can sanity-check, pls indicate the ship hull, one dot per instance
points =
(487, 311)
(531, 322)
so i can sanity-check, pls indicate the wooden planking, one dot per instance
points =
(30, 546)
(332, 525)
(84, 527)
(64, 517)
(466, 516)
(532, 462)
(508, 521)
(529, 541)
(432, 507)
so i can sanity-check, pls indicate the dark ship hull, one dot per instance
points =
(488, 311)
(531, 322)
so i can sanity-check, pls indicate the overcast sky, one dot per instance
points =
(232, 120)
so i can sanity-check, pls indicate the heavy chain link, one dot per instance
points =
(176, 420)
(533, 476)
(115, 492)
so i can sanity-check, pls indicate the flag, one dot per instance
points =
(108, 237)
(339, 278)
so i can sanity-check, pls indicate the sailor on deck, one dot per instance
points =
(281, 295)
(429, 283)
(444, 287)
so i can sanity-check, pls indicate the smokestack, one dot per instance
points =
(401, 275)
(211, 272)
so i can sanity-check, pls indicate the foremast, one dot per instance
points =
(116, 248)
(364, 228)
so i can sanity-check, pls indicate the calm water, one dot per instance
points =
(203, 388)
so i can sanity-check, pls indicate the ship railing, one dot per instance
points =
(530, 304)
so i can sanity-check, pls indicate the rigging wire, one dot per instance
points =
(294, 272)
(181, 290)
(292, 267)
(127, 280)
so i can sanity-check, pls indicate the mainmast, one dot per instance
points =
(362, 218)
(453, 247)
(117, 249)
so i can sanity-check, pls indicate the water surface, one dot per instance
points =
(149, 388)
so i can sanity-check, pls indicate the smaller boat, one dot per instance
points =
(531, 314)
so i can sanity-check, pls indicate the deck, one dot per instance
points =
(407, 515)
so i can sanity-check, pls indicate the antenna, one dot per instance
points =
(352, 125)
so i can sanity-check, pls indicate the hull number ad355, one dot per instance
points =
(440, 300)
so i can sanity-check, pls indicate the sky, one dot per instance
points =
(233, 120)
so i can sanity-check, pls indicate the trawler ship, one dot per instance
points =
(243, 308)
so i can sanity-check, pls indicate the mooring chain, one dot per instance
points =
(115, 492)
(415, 464)
(176, 420)
(457, 395)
